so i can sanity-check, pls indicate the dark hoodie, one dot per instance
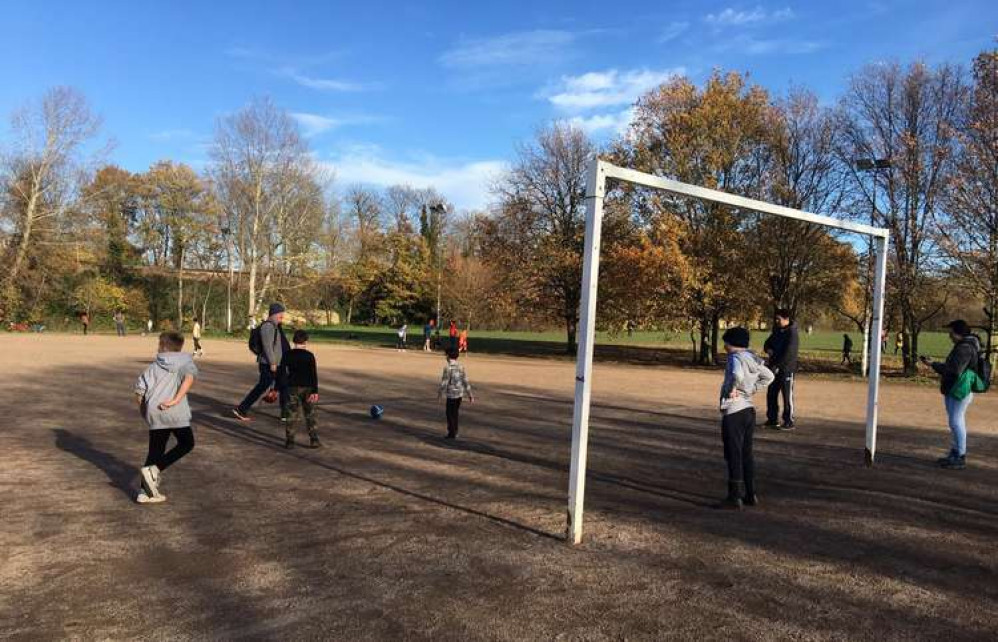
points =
(962, 356)
(784, 344)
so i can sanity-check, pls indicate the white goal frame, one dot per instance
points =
(598, 173)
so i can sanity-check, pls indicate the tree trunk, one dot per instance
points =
(26, 230)
(715, 333)
(180, 292)
(571, 326)
(704, 355)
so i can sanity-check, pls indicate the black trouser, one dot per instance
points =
(736, 432)
(157, 446)
(783, 383)
(453, 408)
(267, 380)
(119, 328)
(197, 344)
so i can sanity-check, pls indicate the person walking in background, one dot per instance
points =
(454, 384)
(298, 369)
(846, 350)
(462, 341)
(453, 334)
(427, 336)
(119, 323)
(149, 326)
(782, 347)
(744, 375)
(85, 321)
(403, 333)
(196, 335)
(269, 344)
(958, 381)
(898, 343)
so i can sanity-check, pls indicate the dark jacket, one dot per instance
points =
(784, 344)
(298, 370)
(962, 356)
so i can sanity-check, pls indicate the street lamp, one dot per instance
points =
(871, 165)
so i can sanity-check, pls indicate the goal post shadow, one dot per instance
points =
(597, 174)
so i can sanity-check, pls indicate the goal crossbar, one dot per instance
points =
(598, 173)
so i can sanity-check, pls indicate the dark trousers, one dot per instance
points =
(157, 446)
(119, 328)
(267, 380)
(736, 432)
(453, 408)
(783, 384)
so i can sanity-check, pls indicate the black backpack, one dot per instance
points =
(983, 370)
(256, 340)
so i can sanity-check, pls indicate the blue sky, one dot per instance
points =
(439, 93)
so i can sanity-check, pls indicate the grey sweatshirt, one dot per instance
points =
(275, 344)
(745, 373)
(160, 383)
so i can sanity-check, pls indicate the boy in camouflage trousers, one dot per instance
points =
(302, 380)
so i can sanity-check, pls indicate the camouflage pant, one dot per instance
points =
(298, 405)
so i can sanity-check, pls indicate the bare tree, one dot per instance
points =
(39, 172)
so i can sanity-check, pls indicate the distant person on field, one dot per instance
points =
(958, 379)
(744, 376)
(462, 341)
(149, 326)
(782, 347)
(196, 335)
(299, 372)
(846, 350)
(403, 333)
(119, 323)
(85, 321)
(454, 384)
(453, 334)
(427, 336)
(161, 394)
(898, 343)
(272, 346)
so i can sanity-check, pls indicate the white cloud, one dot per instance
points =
(517, 48)
(322, 84)
(315, 124)
(613, 123)
(736, 18)
(606, 88)
(673, 31)
(464, 183)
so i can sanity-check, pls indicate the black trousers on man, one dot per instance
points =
(266, 381)
(736, 431)
(783, 384)
(453, 408)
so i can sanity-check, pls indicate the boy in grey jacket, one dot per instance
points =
(161, 394)
(744, 376)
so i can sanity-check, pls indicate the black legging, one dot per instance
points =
(736, 433)
(157, 446)
(453, 410)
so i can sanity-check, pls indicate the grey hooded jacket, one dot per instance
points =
(160, 383)
(747, 374)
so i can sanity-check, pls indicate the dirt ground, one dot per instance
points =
(388, 533)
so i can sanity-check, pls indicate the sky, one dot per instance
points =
(440, 93)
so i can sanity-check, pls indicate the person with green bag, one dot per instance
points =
(958, 381)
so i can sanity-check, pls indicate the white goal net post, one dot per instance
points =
(598, 173)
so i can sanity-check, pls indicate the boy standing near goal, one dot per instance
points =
(744, 376)
(300, 375)
(454, 383)
(161, 394)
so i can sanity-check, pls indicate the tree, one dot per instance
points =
(112, 198)
(40, 174)
(545, 188)
(910, 116)
(969, 232)
(718, 137)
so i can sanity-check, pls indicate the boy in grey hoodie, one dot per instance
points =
(744, 376)
(161, 394)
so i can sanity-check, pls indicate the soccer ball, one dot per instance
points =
(377, 411)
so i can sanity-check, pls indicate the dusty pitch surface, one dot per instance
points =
(389, 534)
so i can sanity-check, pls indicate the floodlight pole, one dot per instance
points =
(595, 190)
(872, 402)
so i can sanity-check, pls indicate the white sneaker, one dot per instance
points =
(150, 480)
(143, 498)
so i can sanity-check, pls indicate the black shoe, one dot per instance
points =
(751, 499)
(734, 499)
(315, 443)
(771, 424)
(786, 427)
(950, 455)
(289, 443)
(955, 463)
(450, 437)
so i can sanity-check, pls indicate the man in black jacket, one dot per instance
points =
(782, 347)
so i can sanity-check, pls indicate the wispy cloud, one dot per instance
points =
(734, 18)
(608, 88)
(673, 31)
(316, 124)
(517, 49)
(465, 182)
(323, 84)
(761, 46)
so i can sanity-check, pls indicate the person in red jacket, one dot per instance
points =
(453, 335)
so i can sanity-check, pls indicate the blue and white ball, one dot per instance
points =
(377, 411)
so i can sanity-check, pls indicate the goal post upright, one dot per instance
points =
(595, 190)
(596, 176)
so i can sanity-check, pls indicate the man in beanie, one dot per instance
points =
(744, 376)
(273, 345)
